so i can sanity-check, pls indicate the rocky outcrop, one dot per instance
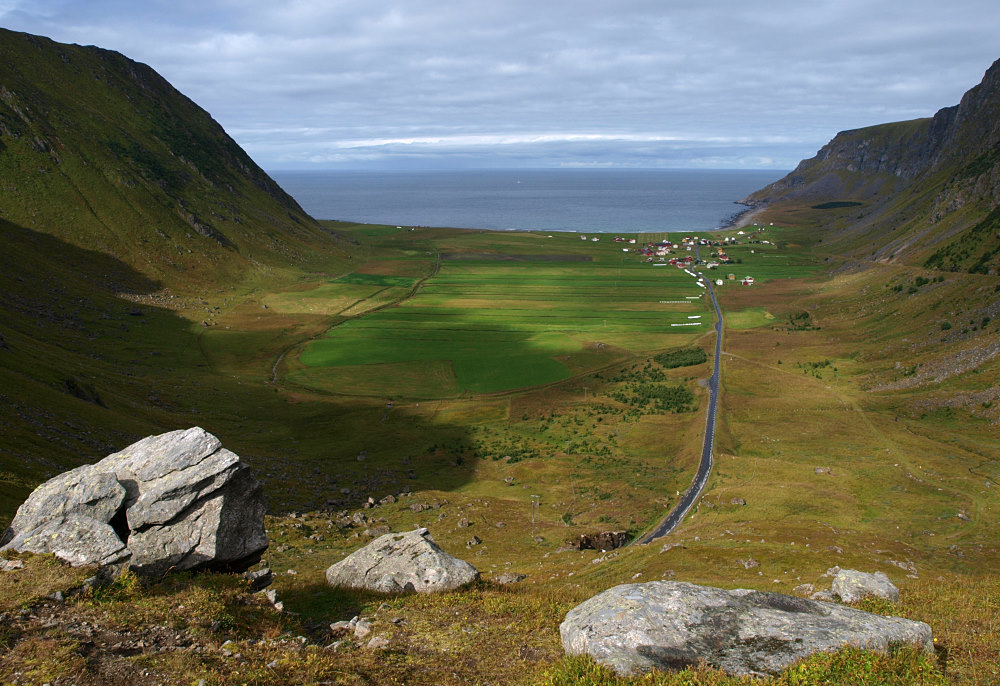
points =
(174, 501)
(852, 585)
(605, 540)
(671, 625)
(954, 159)
(399, 562)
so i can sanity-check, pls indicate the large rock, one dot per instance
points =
(670, 625)
(174, 501)
(852, 585)
(409, 561)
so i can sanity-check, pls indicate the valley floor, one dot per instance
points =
(854, 430)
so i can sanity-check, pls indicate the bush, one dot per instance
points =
(685, 357)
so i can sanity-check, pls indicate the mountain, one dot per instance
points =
(101, 152)
(922, 192)
(130, 222)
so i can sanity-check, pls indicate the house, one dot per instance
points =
(731, 277)
(747, 280)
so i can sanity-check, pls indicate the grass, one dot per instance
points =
(596, 461)
(503, 316)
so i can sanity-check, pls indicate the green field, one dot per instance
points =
(502, 314)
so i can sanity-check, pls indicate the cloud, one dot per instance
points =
(318, 82)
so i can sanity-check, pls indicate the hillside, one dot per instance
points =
(130, 222)
(102, 153)
(922, 192)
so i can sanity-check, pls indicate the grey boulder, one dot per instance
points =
(852, 585)
(398, 562)
(175, 501)
(671, 625)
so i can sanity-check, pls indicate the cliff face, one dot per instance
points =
(938, 179)
(104, 153)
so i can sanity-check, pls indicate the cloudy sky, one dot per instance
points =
(543, 83)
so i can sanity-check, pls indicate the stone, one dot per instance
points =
(419, 507)
(378, 643)
(605, 540)
(399, 562)
(259, 579)
(10, 565)
(475, 540)
(636, 628)
(362, 628)
(508, 578)
(175, 501)
(804, 590)
(341, 628)
(463, 523)
(76, 539)
(852, 585)
(748, 563)
(737, 501)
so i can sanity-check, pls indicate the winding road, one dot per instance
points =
(675, 516)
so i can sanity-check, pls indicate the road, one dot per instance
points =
(675, 516)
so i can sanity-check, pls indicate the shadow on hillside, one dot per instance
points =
(84, 372)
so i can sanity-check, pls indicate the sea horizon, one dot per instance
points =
(576, 200)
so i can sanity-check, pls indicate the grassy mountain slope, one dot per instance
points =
(129, 223)
(103, 153)
(918, 192)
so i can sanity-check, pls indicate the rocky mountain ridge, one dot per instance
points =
(935, 178)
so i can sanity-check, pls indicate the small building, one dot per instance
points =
(731, 277)
(718, 282)
(747, 280)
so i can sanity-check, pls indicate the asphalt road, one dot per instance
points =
(675, 516)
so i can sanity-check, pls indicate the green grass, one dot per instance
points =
(506, 318)
(748, 318)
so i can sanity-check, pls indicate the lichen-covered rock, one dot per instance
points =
(75, 538)
(670, 625)
(85, 492)
(398, 562)
(178, 500)
(852, 585)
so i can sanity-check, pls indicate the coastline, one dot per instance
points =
(743, 217)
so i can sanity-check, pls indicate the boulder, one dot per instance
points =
(399, 562)
(604, 540)
(671, 625)
(852, 585)
(178, 500)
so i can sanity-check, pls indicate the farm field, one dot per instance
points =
(498, 312)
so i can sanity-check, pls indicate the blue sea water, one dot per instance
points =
(630, 200)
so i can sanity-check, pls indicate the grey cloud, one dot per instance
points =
(747, 82)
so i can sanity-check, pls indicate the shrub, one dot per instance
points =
(685, 357)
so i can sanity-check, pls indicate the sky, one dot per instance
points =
(432, 84)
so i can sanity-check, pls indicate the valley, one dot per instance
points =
(509, 391)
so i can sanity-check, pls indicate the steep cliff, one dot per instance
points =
(921, 191)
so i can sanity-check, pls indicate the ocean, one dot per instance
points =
(596, 201)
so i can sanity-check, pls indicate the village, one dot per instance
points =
(663, 253)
